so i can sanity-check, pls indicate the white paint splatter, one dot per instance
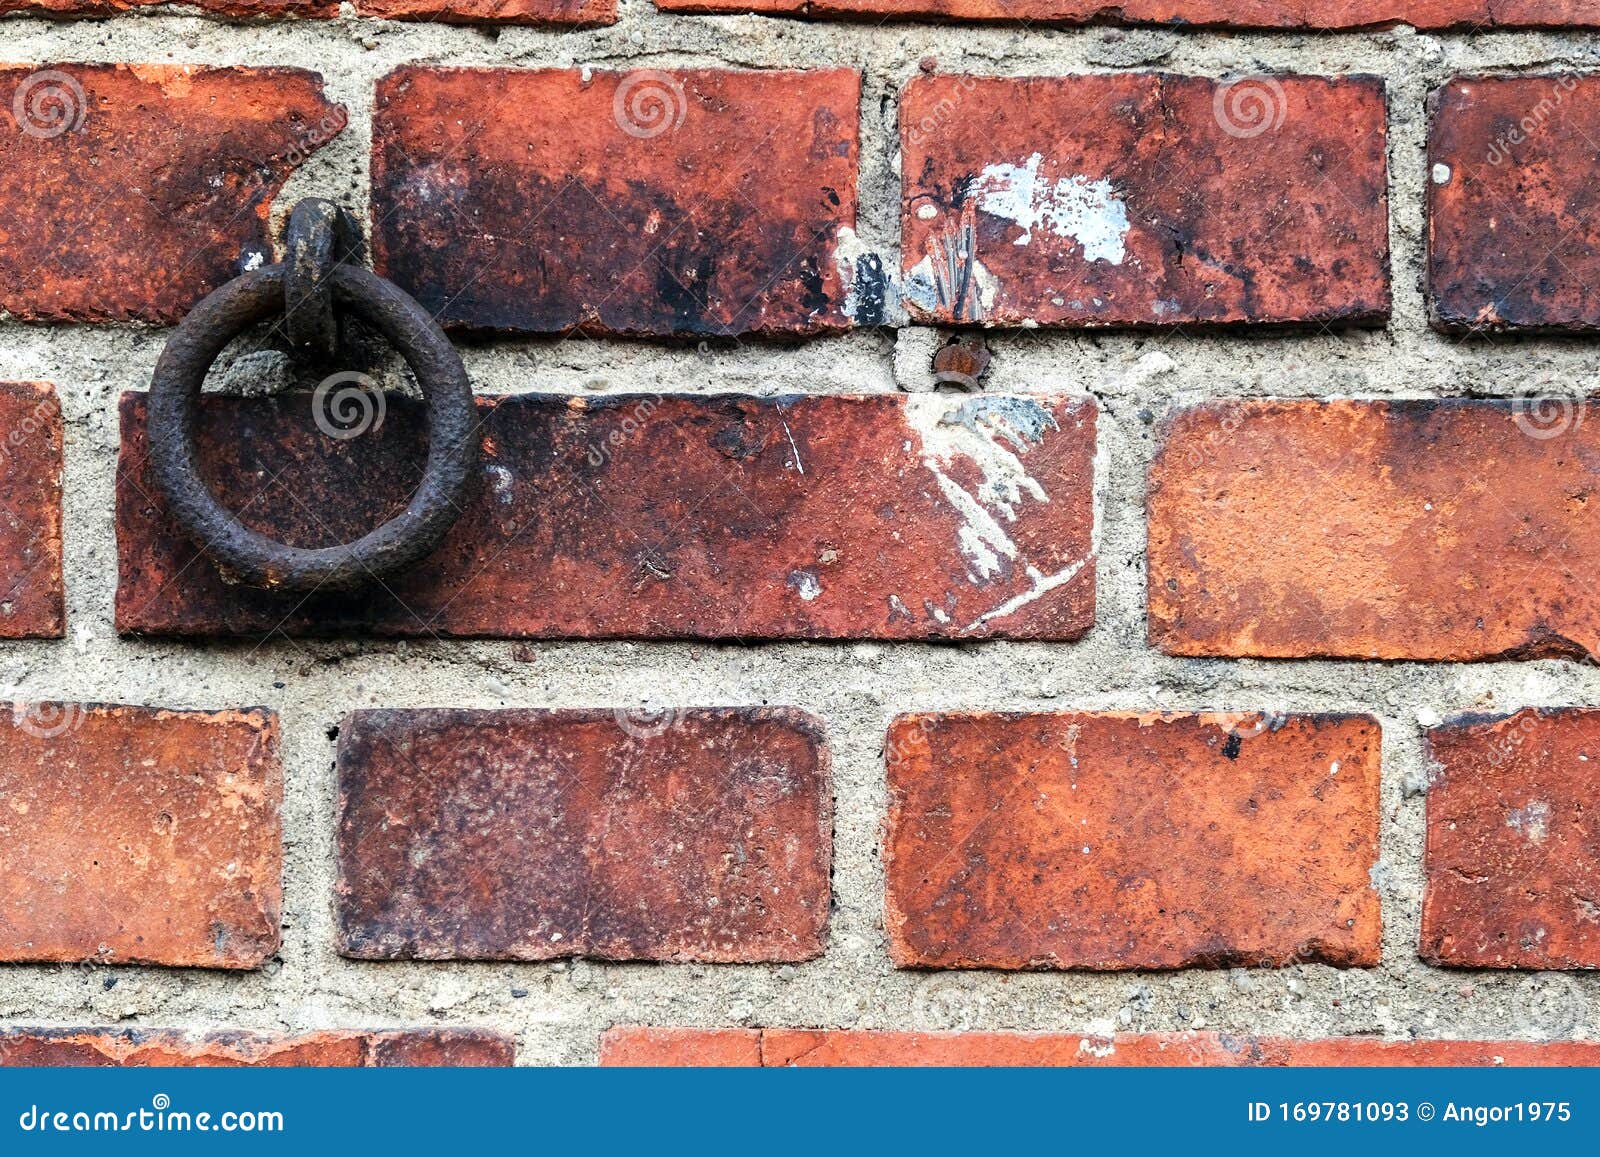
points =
(805, 584)
(1532, 821)
(979, 429)
(1088, 211)
(1043, 584)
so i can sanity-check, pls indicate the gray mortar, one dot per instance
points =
(858, 688)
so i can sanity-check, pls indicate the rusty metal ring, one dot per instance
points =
(320, 236)
(243, 554)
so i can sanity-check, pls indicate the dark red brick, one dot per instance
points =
(581, 13)
(1111, 841)
(532, 835)
(1145, 199)
(31, 599)
(882, 516)
(245, 9)
(1513, 849)
(1376, 530)
(778, 1047)
(1468, 15)
(130, 835)
(171, 170)
(646, 202)
(155, 1048)
(1513, 206)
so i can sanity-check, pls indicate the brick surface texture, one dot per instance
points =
(658, 517)
(1513, 846)
(1144, 199)
(141, 1048)
(1124, 841)
(1007, 532)
(139, 836)
(778, 1048)
(541, 835)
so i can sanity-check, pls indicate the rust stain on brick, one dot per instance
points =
(650, 516)
(1513, 207)
(1110, 841)
(172, 170)
(781, 1047)
(702, 835)
(130, 835)
(161, 1048)
(1513, 851)
(700, 202)
(1145, 199)
(1450, 530)
(1473, 15)
(32, 603)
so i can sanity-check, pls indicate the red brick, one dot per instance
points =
(1513, 207)
(581, 13)
(147, 1048)
(245, 9)
(31, 598)
(647, 202)
(533, 835)
(1145, 199)
(780, 1047)
(1111, 841)
(1513, 848)
(1376, 530)
(703, 1048)
(657, 517)
(130, 835)
(171, 171)
(1474, 15)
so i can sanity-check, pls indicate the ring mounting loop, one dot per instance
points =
(252, 558)
(319, 237)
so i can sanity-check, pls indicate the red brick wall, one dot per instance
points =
(1213, 683)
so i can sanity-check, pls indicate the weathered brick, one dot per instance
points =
(244, 9)
(130, 835)
(702, 1048)
(31, 599)
(1375, 529)
(1112, 841)
(882, 516)
(171, 170)
(1513, 207)
(159, 1048)
(581, 13)
(532, 835)
(1513, 847)
(1473, 15)
(701, 202)
(1145, 199)
(778, 1047)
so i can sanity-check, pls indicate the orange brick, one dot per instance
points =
(32, 604)
(141, 1048)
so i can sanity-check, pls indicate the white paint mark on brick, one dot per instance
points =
(1089, 211)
